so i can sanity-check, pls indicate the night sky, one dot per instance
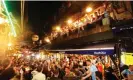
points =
(40, 13)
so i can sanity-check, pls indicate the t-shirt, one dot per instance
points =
(93, 69)
(38, 76)
(100, 68)
(127, 72)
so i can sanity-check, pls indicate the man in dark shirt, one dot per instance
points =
(77, 71)
(7, 74)
(55, 76)
(109, 74)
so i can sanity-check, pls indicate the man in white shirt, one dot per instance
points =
(38, 75)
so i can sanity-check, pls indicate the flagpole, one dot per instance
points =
(22, 15)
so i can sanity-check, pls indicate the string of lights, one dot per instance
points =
(10, 19)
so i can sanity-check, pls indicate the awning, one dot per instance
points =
(105, 49)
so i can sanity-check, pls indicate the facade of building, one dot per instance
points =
(114, 16)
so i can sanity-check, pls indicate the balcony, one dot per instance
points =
(89, 29)
(93, 30)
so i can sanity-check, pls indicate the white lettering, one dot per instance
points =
(101, 52)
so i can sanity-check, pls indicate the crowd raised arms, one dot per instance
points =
(68, 68)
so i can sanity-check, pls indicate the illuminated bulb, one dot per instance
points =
(69, 21)
(47, 40)
(58, 28)
(88, 9)
(9, 44)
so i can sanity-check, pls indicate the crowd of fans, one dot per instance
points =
(68, 68)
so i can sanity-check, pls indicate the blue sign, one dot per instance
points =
(92, 52)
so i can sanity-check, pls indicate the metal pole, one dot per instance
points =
(22, 15)
(119, 57)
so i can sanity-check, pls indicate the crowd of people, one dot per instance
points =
(68, 68)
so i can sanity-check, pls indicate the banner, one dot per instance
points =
(89, 51)
(93, 52)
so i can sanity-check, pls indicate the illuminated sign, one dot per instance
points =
(89, 51)
(93, 52)
(101, 52)
(127, 58)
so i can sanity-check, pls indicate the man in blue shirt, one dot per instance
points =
(127, 72)
(91, 71)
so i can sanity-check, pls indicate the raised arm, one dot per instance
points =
(87, 76)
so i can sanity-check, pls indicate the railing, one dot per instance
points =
(89, 29)
(93, 29)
